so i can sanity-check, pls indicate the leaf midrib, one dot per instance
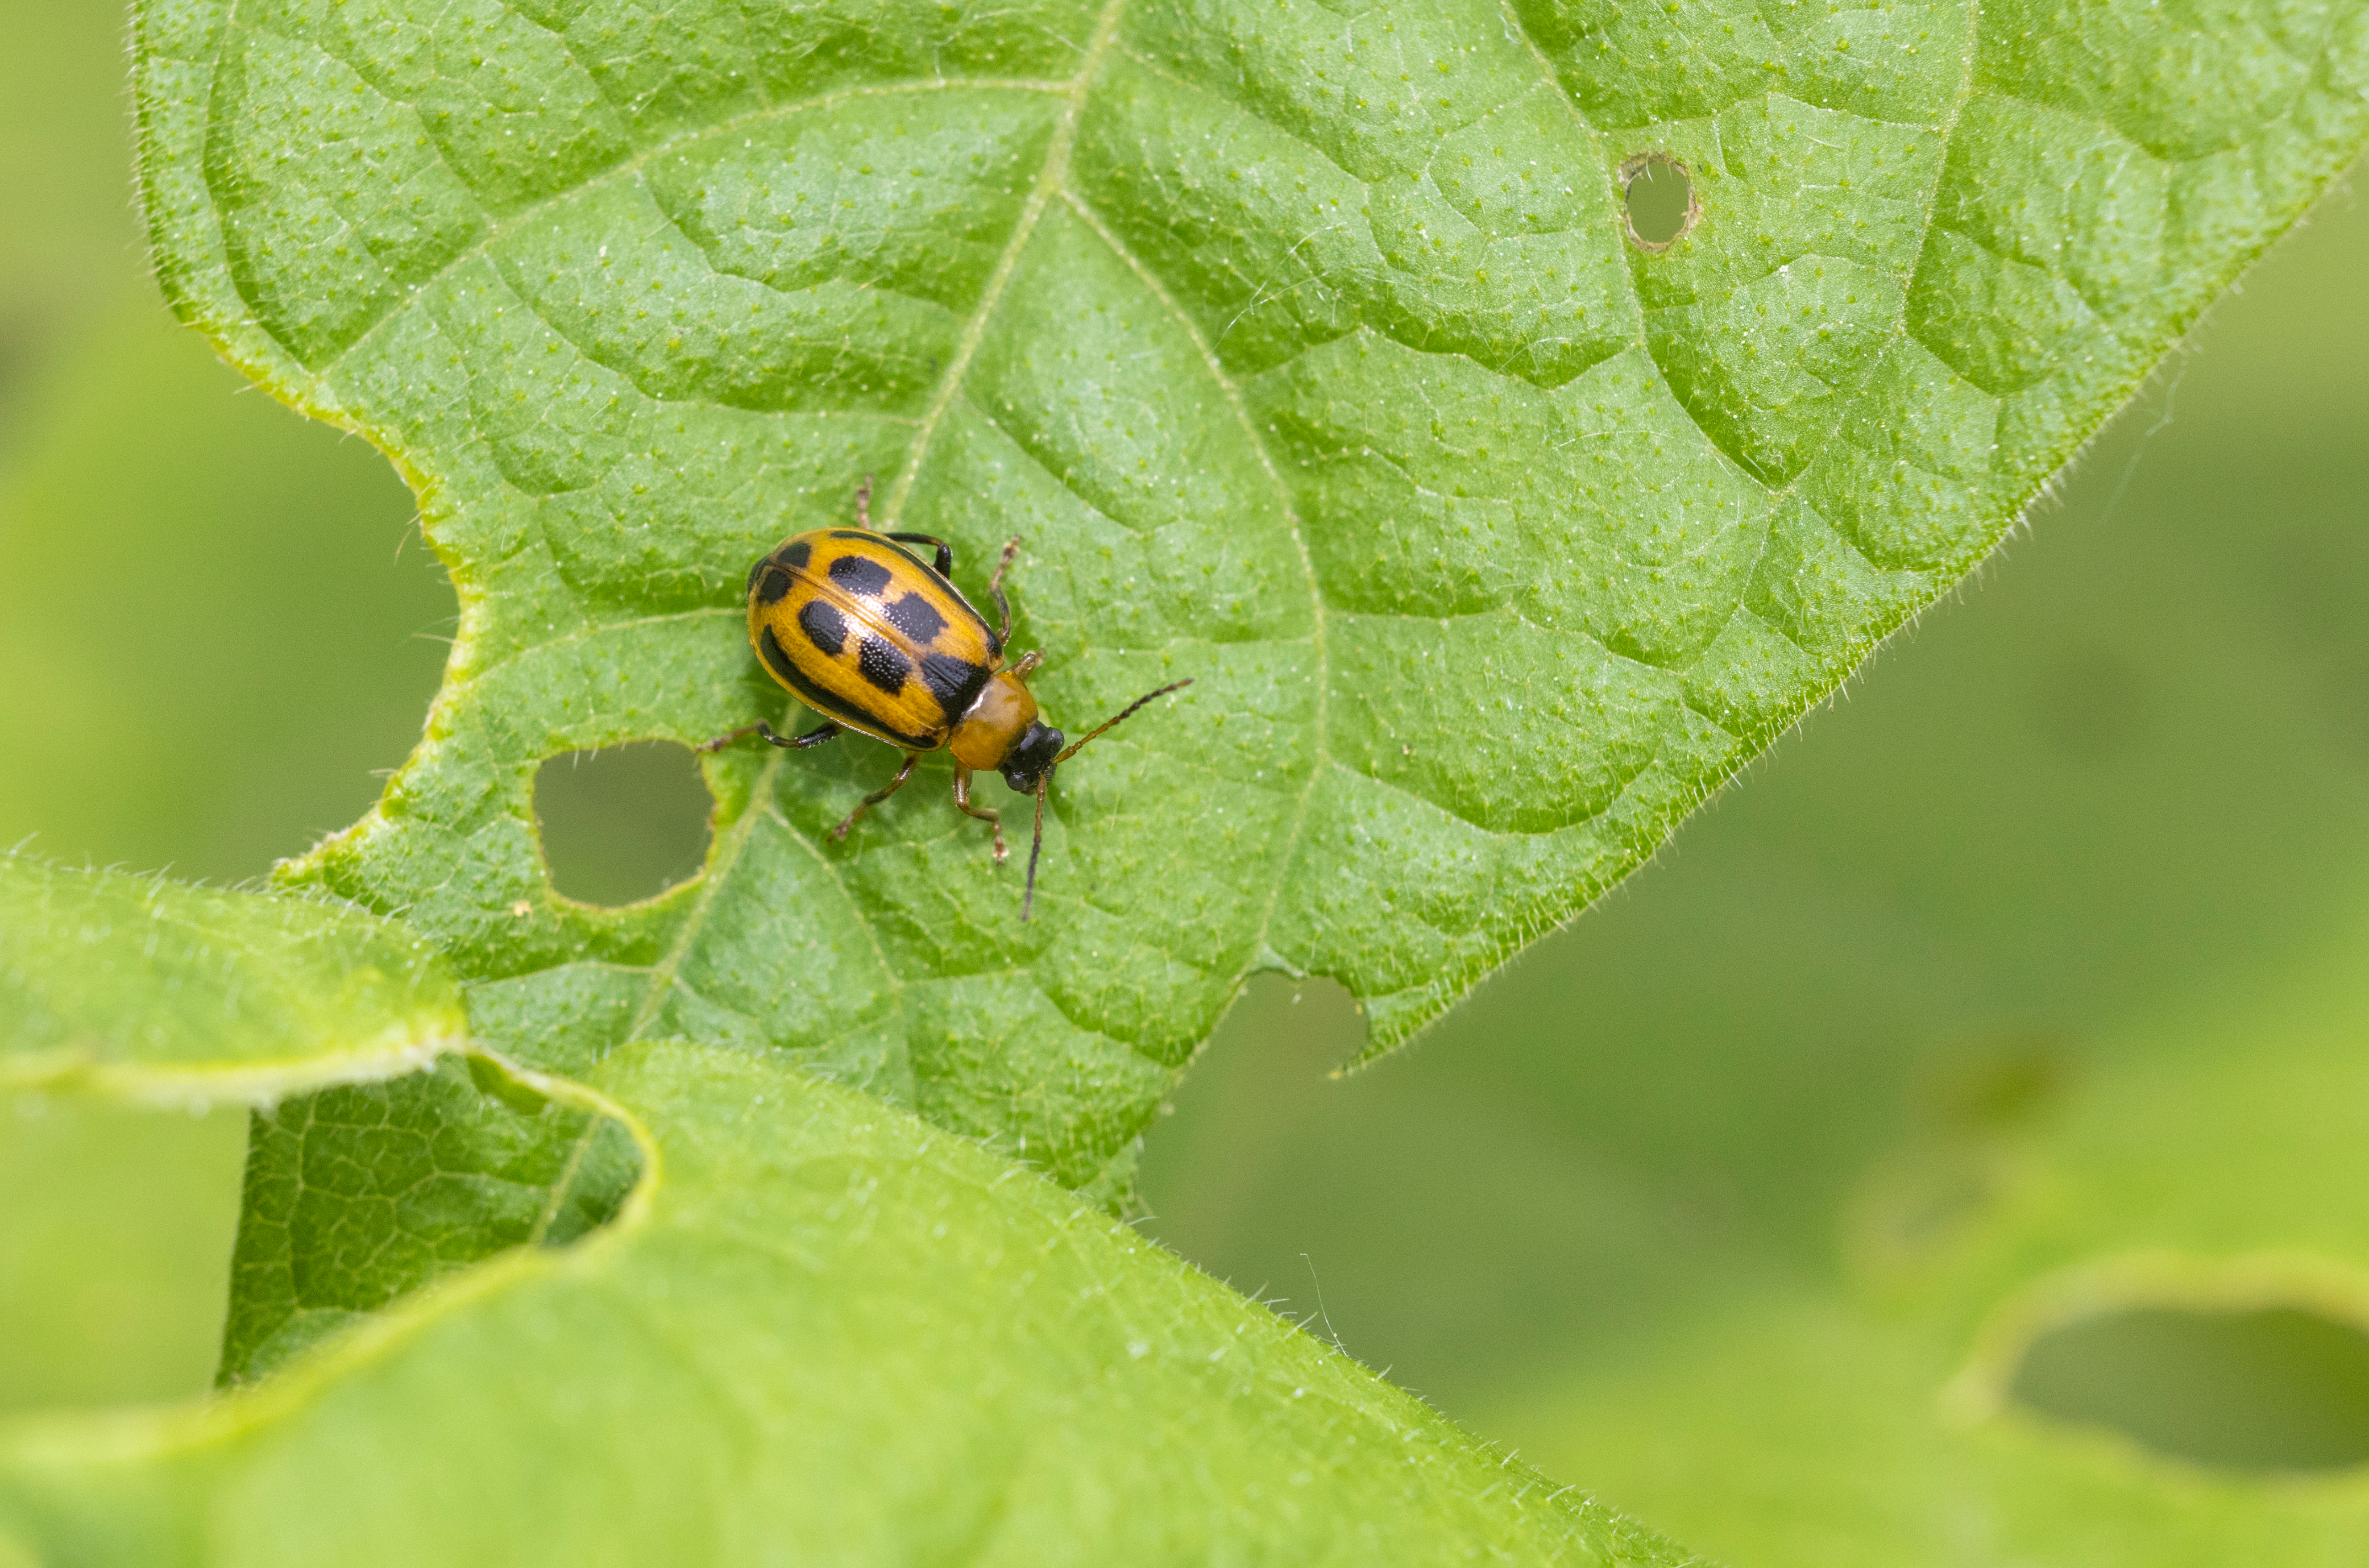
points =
(1051, 182)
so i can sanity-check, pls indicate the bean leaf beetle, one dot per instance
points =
(864, 633)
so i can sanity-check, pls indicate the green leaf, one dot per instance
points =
(825, 1329)
(843, 1327)
(1311, 360)
(135, 987)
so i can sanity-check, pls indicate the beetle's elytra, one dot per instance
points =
(875, 641)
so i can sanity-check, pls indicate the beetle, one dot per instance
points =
(864, 633)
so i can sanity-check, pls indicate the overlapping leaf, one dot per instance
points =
(391, 1160)
(144, 989)
(815, 1341)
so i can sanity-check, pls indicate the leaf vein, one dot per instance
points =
(634, 164)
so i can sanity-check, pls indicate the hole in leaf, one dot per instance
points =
(1659, 200)
(623, 823)
(2258, 1388)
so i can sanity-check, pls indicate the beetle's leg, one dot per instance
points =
(945, 563)
(1028, 663)
(828, 729)
(995, 588)
(984, 813)
(864, 504)
(721, 741)
(912, 760)
(815, 737)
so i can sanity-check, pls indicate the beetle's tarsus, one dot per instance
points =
(721, 741)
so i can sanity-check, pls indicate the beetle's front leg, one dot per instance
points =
(984, 813)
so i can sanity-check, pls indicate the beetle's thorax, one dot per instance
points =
(994, 722)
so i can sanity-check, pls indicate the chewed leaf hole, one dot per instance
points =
(1659, 200)
(2259, 1389)
(623, 823)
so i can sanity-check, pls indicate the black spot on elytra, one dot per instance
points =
(882, 665)
(795, 555)
(776, 659)
(824, 626)
(853, 533)
(916, 618)
(753, 573)
(775, 584)
(954, 682)
(859, 574)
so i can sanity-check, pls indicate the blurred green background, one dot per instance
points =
(2107, 805)
(219, 626)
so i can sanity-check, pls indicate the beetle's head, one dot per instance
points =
(1032, 756)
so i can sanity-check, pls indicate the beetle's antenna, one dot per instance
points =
(1126, 712)
(1045, 779)
(864, 504)
(1036, 845)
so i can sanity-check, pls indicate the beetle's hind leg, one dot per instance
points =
(828, 729)
(985, 814)
(912, 760)
(824, 731)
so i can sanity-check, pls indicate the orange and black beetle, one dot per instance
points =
(875, 641)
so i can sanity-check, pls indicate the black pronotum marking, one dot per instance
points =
(824, 626)
(954, 682)
(916, 617)
(775, 584)
(858, 575)
(882, 665)
(794, 555)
